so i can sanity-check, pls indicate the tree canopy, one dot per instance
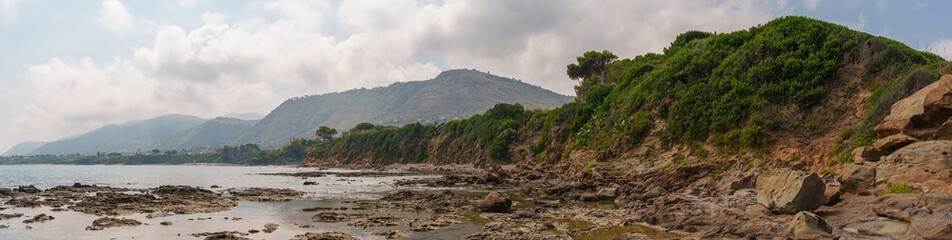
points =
(325, 133)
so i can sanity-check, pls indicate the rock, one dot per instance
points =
(854, 178)
(6, 192)
(331, 217)
(107, 222)
(28, 189)
(892, 143)
(925, 164)
(215, 186)
(267, 194)
(309, 183)
(921, 114)
(335, 235)
(588, 197)
(253, 231)
(608, 193)
(866, 154)
(10, 216)
(270, 228)
(495, 202)
(42, 217)
(806, 225)
(790, 191)
(226, 235)
(166, 223)
(880, 228)
(653, 193)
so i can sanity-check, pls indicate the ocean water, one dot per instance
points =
(254, 215)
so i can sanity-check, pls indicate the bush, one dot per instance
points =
(901, 187)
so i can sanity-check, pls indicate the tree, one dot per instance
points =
(325, 133)
(591, 63)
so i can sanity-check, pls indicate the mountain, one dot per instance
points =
(127, 137)
(23, 148)
(212, 133)
(248, 116)
(453, 94)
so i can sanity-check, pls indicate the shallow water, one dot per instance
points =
(254, 215)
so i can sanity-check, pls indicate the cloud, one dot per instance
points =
(811, 4)
(228, 65)
(114, 17)
(942, 47)
(8, 11)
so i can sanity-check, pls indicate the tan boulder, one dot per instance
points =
(866, 154)
(495, 202)
(790, 191)
(806, 225)
(921, 114)
(892, 143)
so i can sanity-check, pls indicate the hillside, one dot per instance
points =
(128, 137)
(212, 133)
(793, 92)
(23, 148)
(453, 94)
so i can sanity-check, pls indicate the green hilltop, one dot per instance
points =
(793, 83)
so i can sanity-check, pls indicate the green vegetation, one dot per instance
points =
(734, 91)
(247, 154)
(900, 187)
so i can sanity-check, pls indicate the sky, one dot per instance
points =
(68, 67)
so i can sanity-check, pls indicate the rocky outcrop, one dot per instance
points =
(494, 202)
(335, 235)
(854, 178)
(929, 215)
(790, 191)
(267, 194)
(923, 164)
(922, 114)
(806, 225)
(107, 222)
(42, 217)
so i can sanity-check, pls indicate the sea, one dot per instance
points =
(330, 191)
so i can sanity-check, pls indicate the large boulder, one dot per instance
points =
(806, 225)
(921, 114)
(495, 202)
(923, 164)
(790, 191)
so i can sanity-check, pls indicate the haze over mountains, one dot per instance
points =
(453, 94)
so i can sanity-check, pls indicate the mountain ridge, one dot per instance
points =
(453, 94)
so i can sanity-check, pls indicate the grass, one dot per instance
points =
(901, 187)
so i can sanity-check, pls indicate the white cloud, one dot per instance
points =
(811, 4)
(8, 11)
(942, 47)
(114, 17)
(238, 65)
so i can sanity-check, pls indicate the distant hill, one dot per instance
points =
(127, 137)
(23, 148)
(212, 133)
(454, 94)
(248, 116)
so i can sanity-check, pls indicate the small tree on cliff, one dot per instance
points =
(325, 133)
(591, 63)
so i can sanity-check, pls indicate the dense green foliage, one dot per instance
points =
(732, 90)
